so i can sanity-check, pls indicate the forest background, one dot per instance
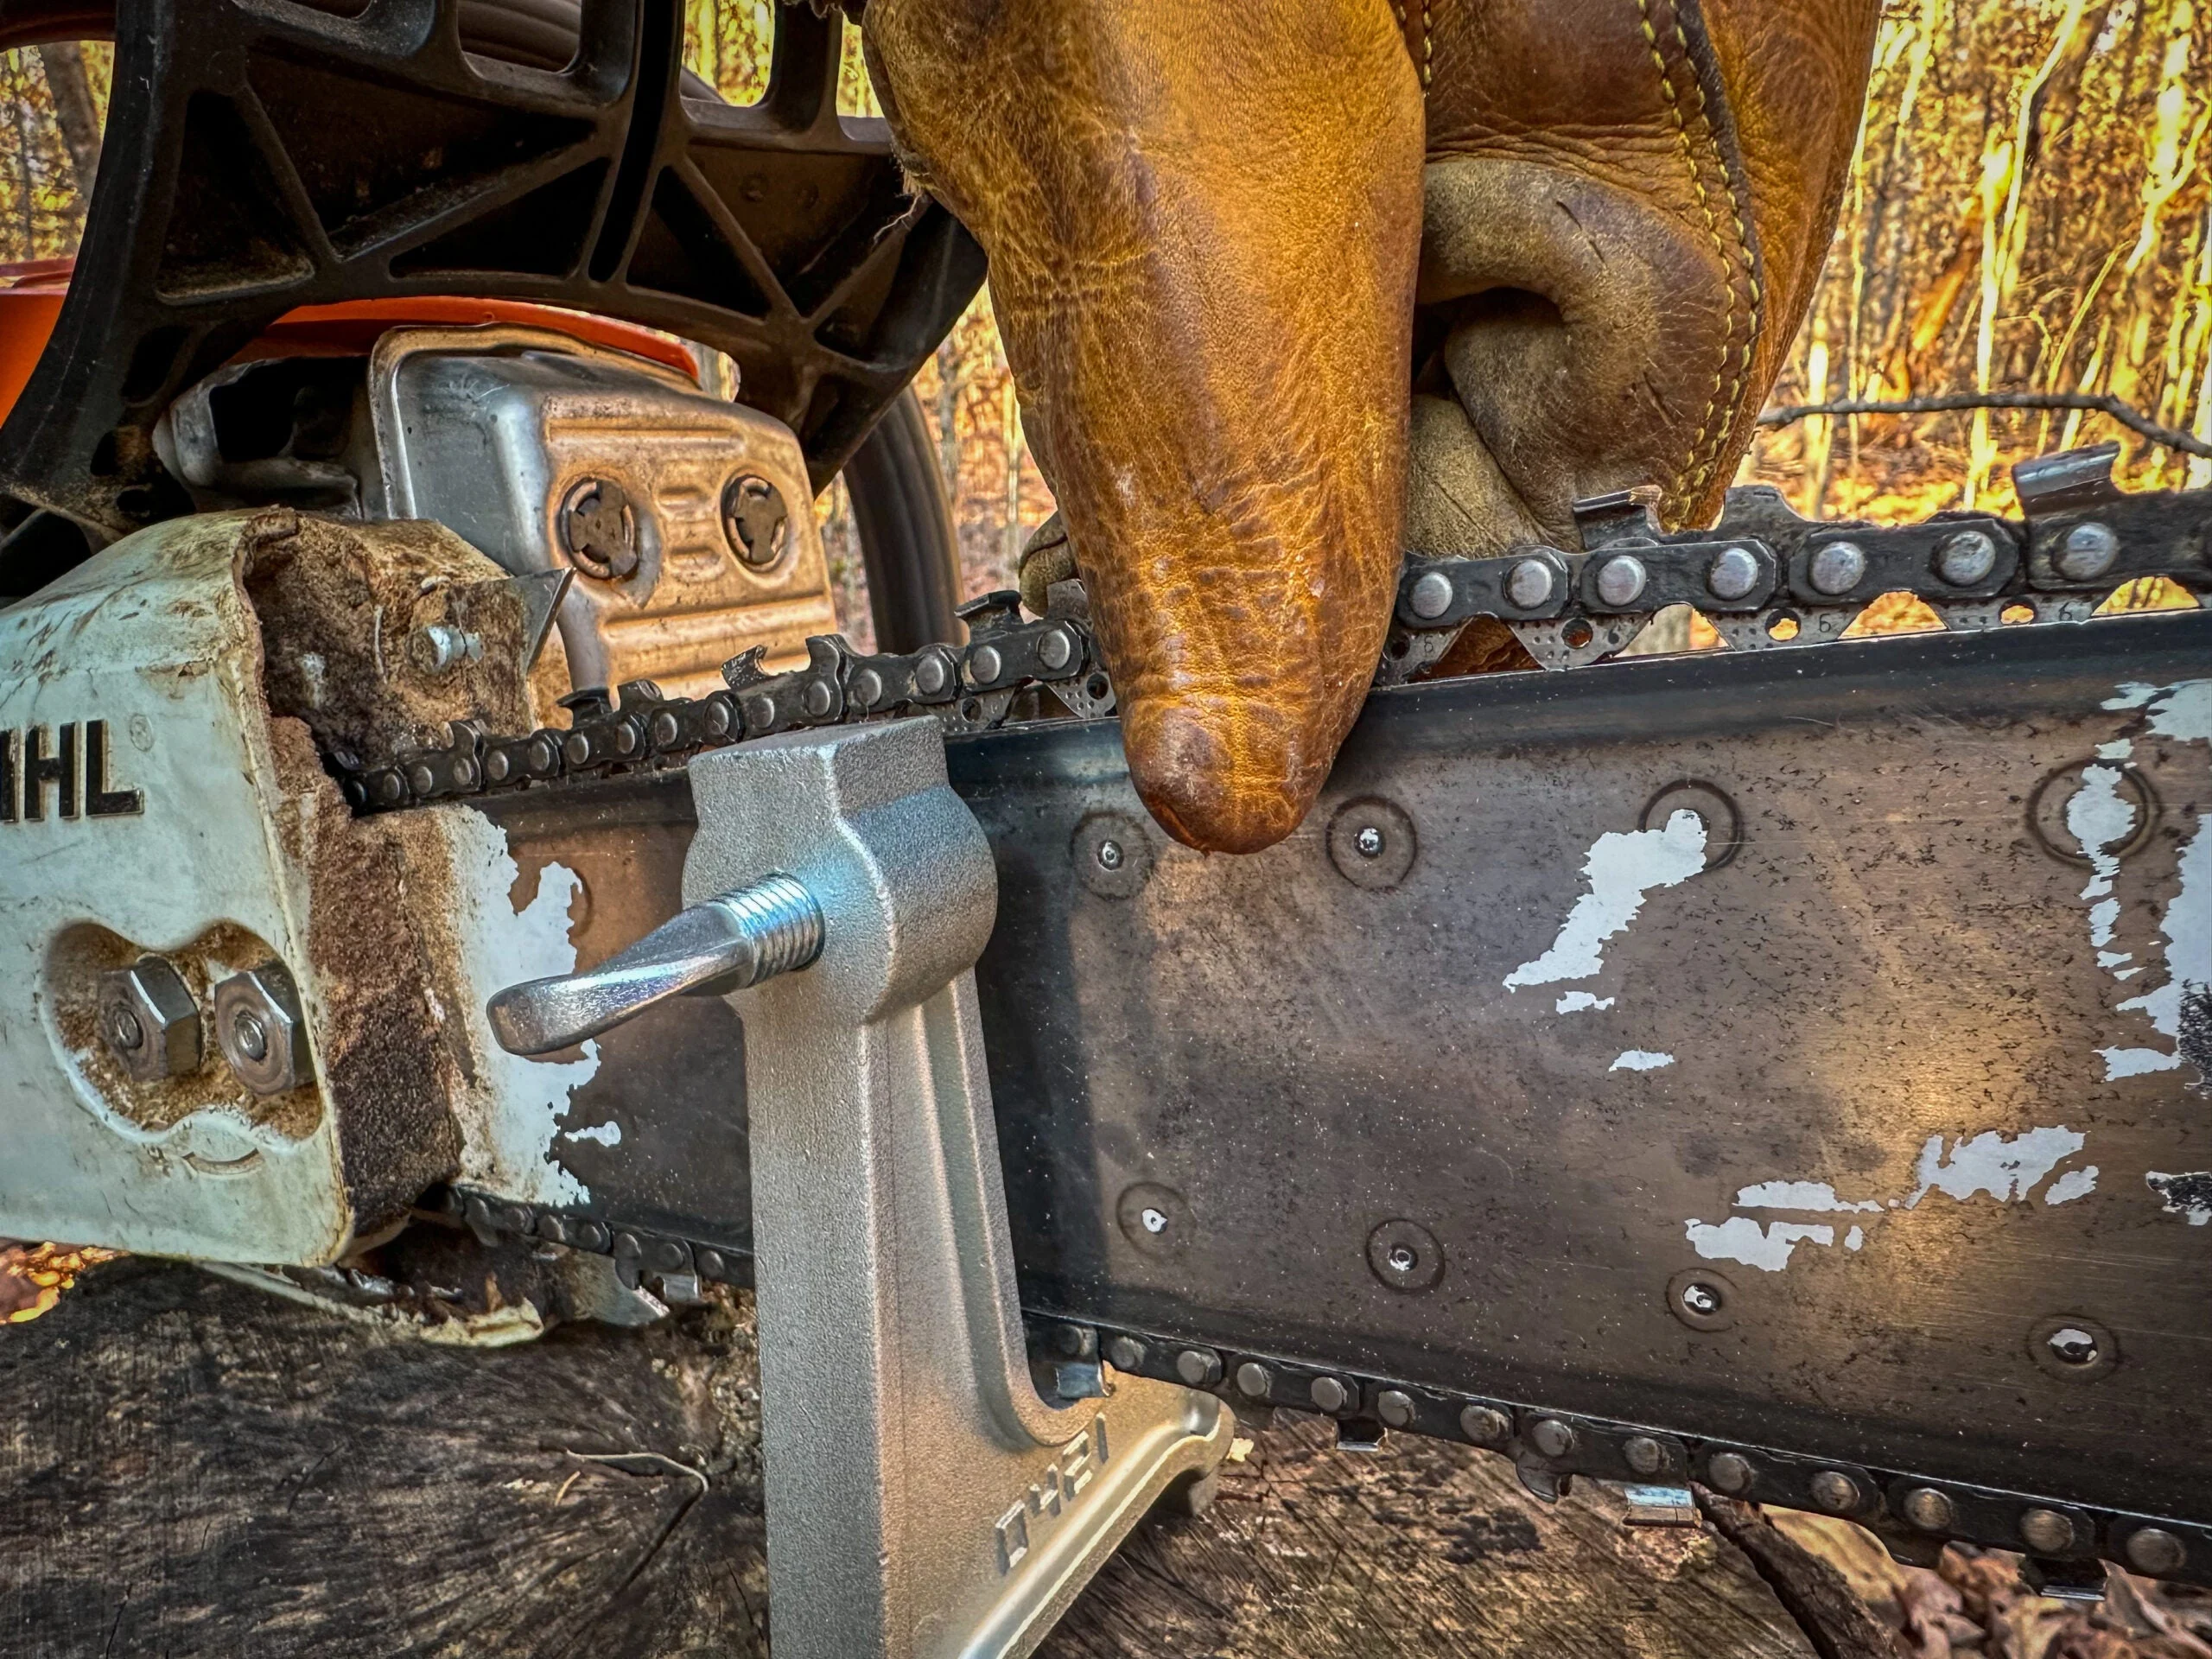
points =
(2029, 210)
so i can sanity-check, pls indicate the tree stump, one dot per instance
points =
(193, 1467)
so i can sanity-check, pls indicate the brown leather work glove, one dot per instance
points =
(1626, 204)
(1203, 219)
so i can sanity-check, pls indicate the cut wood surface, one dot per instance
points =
(196, 1468)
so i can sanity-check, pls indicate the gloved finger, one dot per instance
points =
(1203, 219)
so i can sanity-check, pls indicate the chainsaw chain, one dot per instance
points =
(1914, 1515)
(2066, 1544)
(969, 688)
(638, 1253)
(1765, 577)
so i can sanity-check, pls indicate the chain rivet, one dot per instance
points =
(1431, 596)
(1484, 1424)
(1552, 1437)
(1837, 567)
(1734, 573)
(1929, 1510)
(1834, 1492)
(2087, 551)
(2047, 1532)
(1529, 584)
(1729, 1472)
(1621, 579)
(1966, 558)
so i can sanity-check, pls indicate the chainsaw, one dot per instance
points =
(1780, 1068)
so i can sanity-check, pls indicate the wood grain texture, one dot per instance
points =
(193, 1468)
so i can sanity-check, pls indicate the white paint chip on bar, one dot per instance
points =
(609, 1133)
(2003, 1166)
(1640, 1059)
(2101, 819)
(1577, 1001)
(515, 1103)
(2007, 1167)
(1622, 868)
(2074, 1184)
(1766, 1246)
(2182, 713)
(2188, 1194)
(1800, 1195)
(2136, 1062)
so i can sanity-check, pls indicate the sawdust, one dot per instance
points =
(390, 1085)
(340, 605)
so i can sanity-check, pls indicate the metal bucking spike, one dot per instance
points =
(726, 945)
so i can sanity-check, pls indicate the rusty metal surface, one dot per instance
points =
(1865, 1074)
(1867, 1058)
(672, 1081)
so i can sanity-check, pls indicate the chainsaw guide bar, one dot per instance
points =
(1879, 1177)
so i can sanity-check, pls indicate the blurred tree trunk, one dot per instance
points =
(948, 412)
(75, 112)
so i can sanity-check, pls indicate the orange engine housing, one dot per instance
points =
(31, 294)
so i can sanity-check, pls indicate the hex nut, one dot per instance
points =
(1125, 1353)
(261, 1030)
(1395, 1407)
(1253, 1381)
(149, 1000)
(1330, 1394)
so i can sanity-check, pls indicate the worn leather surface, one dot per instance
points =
(1204, 220)
(1627, 203)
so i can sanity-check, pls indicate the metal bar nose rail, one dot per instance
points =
(730, 942)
